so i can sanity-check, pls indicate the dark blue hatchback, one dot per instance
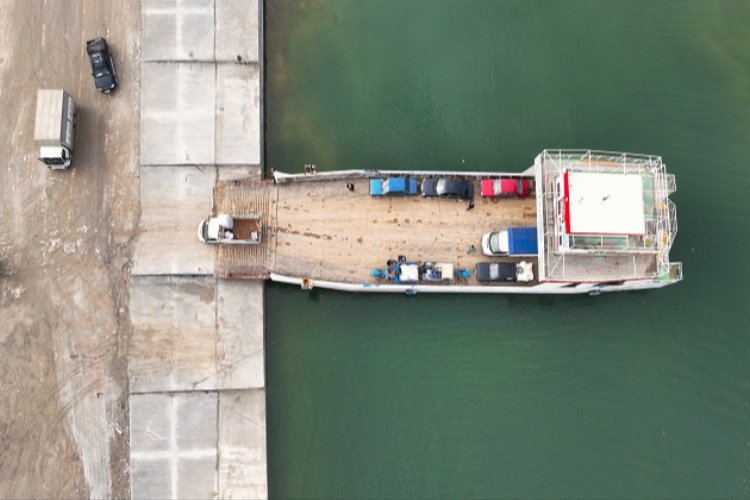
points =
(462, 189)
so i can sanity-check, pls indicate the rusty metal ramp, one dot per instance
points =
(245, 261)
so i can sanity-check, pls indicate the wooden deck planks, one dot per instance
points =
(319, 229)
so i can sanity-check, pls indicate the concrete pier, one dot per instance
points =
(196, 364)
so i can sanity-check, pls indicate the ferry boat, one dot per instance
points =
(602, 221)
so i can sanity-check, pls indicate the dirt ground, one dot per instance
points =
(65, 247)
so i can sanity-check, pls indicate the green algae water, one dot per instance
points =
(623, 395)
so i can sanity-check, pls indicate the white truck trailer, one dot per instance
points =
(54, 128)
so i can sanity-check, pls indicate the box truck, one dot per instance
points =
(514, 241)
(54, 128)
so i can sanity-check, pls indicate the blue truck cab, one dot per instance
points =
(393, 186)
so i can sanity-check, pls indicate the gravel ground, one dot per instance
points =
(65, 248)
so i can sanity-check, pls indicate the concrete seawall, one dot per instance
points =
(196, 363)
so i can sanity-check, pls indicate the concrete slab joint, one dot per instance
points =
(178, 104)
(173, 202)
(198, 445)
(173, 445)
(195, 333)
(200, 30)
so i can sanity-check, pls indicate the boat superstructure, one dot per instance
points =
(604, 222)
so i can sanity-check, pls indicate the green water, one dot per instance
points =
(633, 394)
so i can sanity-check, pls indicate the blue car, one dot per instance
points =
(393, 186)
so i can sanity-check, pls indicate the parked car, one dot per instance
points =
(511, 187)
(462, 189)
(500, 271)
(102, 67)
(393, 186)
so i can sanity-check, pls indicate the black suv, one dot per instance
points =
(462, 189)
(496, 271)
(102, 67)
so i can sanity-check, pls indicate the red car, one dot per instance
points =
(505, 187)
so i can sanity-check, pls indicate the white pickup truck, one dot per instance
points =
(242, 229)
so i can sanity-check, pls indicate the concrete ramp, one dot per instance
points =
(200, 30)
(196, 363)
(197, 352)
(173, 445)
(178, 106)
(200, 82)
(195, 333)
(173, 202)
(198, 445)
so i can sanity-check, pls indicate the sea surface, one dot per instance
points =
(638, 394)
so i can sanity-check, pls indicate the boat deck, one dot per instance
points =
(315, 227)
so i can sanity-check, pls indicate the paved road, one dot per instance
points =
(65, 245)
